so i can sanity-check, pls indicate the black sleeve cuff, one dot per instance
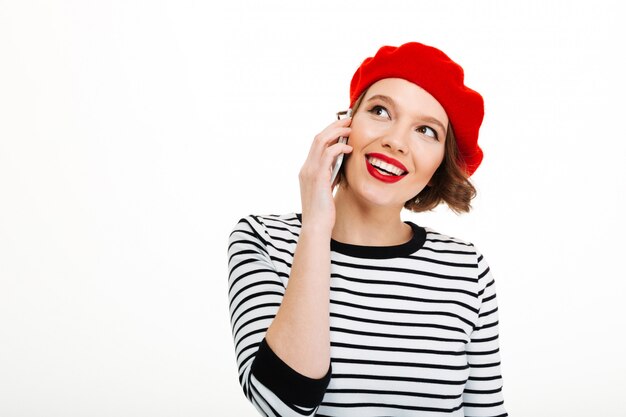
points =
(288, 385)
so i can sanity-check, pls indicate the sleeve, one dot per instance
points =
(255, 292)
(482, 396)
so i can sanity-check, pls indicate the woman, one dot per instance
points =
(346, 310)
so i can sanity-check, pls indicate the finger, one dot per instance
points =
(314, 167)
(332, 152)
(327, 137)
(334, 126)
(345, 122)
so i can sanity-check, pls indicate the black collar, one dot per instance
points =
(380, 252)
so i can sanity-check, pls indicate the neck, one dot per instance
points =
(361, 223)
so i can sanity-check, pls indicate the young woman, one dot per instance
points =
(346, 310)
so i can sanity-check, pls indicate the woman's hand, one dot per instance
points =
(318, 206)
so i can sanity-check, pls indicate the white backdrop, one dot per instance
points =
(134, 135)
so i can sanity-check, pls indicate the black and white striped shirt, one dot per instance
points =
(413, 327)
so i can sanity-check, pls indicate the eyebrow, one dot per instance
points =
(427, 119)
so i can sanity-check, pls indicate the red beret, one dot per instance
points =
(436, 73)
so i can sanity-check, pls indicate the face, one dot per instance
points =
(398, 139)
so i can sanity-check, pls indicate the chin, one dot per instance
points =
(379, 199)
(379, 194)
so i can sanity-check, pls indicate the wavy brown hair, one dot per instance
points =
(449, 184)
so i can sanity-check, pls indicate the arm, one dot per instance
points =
(282, 335)
(483, 391)
(286, 375)
(300, 332)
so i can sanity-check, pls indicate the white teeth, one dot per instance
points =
(383, 165)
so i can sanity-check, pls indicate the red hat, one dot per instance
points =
(436, 73)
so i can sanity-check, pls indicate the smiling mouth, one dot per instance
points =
(385, 168)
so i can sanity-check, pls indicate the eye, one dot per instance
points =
(380, 111)
(430, 132)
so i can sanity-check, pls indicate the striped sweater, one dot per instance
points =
(413, 327)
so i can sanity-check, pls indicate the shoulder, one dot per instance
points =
(269, 226)
(461, 252)
(436, 238)
(459, 249)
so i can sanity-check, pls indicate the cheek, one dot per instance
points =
(429, 157)
(440, 156)
(364, 132)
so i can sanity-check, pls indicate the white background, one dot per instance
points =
(134, 135)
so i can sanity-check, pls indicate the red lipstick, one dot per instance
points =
(387, 159)
(376, 174)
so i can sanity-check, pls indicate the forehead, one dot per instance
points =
(408, 98)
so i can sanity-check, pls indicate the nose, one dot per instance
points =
(396, 139)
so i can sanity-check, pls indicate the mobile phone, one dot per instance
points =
(339, 159)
